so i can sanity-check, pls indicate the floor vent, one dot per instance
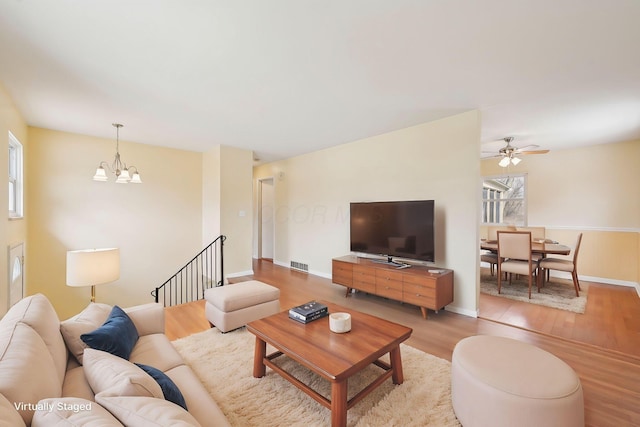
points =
(295, 265)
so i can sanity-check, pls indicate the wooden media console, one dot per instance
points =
(425, 287)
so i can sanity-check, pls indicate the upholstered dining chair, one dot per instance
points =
(514, 256)
(491, 259)
(569, 266)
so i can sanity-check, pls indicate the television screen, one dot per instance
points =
(403, 229)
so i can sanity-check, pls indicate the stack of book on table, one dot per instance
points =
(308, 312)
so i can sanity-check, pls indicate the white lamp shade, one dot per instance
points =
(90, 267)
(100, 175)
(515, 161)
(504, 162)
(124, 177)
(135, 179)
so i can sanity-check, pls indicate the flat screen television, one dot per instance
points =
(403, 229)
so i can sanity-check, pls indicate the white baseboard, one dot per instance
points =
(281, 264)
(463, 311)
(321, 274)
(313, 272)
(240, 274)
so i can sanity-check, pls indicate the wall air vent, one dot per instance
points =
(295, 265)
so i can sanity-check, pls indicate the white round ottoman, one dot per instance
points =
(498, 381)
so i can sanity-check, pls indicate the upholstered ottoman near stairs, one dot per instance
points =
(497, 381)
(232, 306)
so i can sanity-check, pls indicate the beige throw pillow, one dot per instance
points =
(115, 376)
(88, 320)
(146, 411)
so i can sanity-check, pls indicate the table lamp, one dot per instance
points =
(91, 267)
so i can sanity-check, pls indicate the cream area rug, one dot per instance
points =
(224, 364)
(557, 293)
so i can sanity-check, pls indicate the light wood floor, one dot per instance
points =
(611, 319)
(609, 373)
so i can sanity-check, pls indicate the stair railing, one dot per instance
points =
(204, 271)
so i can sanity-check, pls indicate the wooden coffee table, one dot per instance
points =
(335, 357)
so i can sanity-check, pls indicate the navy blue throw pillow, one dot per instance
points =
(170, 390)
(117, 335)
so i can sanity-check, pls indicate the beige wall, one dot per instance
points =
(156, 225)
(227, 205)
(11, 231)
(436, 160)
(210, 195)
(236, 209)
(594, 190)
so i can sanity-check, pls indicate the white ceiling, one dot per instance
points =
(286, 77)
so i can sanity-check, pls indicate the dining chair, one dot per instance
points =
(559, 264)
(492, 230)
(514, 256)
(537, 233)
(490, 258)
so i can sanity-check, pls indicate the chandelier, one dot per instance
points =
(118, 167)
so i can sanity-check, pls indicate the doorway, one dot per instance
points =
(266, 219)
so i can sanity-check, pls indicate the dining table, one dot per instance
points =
(543, 248)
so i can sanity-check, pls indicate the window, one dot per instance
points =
(15, 177)
(504, 200)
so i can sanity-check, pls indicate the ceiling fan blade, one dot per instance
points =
(534, 152)
(527, 147)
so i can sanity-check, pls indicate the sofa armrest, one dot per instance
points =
(148, 318)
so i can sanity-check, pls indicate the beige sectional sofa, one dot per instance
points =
(43, 383)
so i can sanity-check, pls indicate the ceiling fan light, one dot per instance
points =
(504, 162)
(515, 161)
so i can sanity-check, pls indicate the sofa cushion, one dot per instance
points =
(72, 412)
(89, 319)
(117, 335)
(37, 312)
(76, 384)
(156, 350)
(9, 417)
(117, 377)
(26, 368)
(148, 318)
(170, 390)
(140, 411)
(199, 401)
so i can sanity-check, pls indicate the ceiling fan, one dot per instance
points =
(510, 154)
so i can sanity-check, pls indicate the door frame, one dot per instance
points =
(261, 182)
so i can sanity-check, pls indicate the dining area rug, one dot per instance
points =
(556, 293)
(224, 364)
